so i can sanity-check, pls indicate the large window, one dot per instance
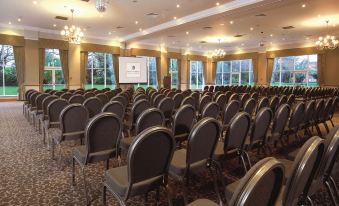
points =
(151, 74)
(236, 72)
(295, 71)
(8, 81)
(53, 74)
(100, 73)
(173, 70)
(196, 75)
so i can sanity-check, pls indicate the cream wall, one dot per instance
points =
(74, 66)
(331, 74)
(32, 64)
(262, 68)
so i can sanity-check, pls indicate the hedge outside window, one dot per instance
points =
(53, 74)
(295, 71)
(100, 73)
(151, 73)
(196, 75)
(8, 80)
(173, 71)
(235, 72)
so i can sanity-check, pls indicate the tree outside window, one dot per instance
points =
(53, 74)
(173, 70)
(196, 75)
(8, 80)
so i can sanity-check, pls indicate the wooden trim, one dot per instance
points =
(53, 44)
(293, 52)
(12, 40)
(144, 52)
(192, 57)
(174, 55)
(253, 55)
(89, 47)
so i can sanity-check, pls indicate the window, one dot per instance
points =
(8, 81)
(100, 73)
(236, 72)
(196, 75)
(173, 70)
(152, 73)
(295, 71)
(53, 74)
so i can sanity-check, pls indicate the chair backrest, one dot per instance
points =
(244, 97)
(231, 109)
(274, 103)
(66, 96)
(59, 93)
(221, 100)
(170, 94)
(54, 109)
(211, 109)
(81, 92)
(157, 99)
(148, 159)
(228, 95)
(261, 124)
(255, 96)
(327, 108)
(177, 100)
(73, 121)
(93, 105)
(237, 131)
(234, 96)
(309, 111)
(102, 135)
(89, 94)
(249, 106)
(77, 98)
(114, 107)
(183, 119)
(33, 97)
(166, 105)
(202, 141)
(303, 170)
(137, 108)
(297, 115)
(188, 100)
(103, 98)
(290, 99)
(149, 118)
(204, 100)
(38, 101)
(280, 119)
(46, 102)
(283, 99)
(261, 185)
(139, 97)
(195, 95)
(263, 102)
(120, 99)
(110, 94)
(319, 110)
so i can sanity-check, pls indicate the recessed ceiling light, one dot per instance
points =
(231, 22)
(222, 24)
(217, 3)
(187, 44)
(54, 25)
(187, 32)
(110, 33)
(271, 35)
(178, 5)
(136, 22)
(9, 22)
(303, 6)
(19, 19)
(251, 28)
(242, 44)
(175, 17)
(35, 2)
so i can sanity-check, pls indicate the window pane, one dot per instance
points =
(235, 66)
(218, 78)
(235, 79)
(227, 66)
(245, 78)
(275, 79)
(219, 67)
(53, 74)
(8, 81)
(48, 77)
(287, 63)
(300, 79)
(301, 62)
(287, 78)
(245, 65)
(226, 78)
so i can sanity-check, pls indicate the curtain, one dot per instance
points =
(255, 71)
(188, 74)
(204, 72)
(168, 66)
(179, 74)
(158, 63)
(270, 64)
(321, 64)
(19, 57)
(41, 67)
(83, 67)
(64, 65)
(214, 71)
(116, 68)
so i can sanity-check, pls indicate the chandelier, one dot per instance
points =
(218, 53)
(327, 42)
(72, 34)
(101, 5)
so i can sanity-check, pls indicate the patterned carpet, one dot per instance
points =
(30, 177)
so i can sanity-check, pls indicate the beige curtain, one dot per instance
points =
(204, 70)
(116, 68)
(179, 74)
(214, 71)
(168, 66)
(270, 64)
(41, 67)
(188, 74)
(83, 67)
(158, 71)
(64, 65)
(321, 65)
(19, 57)
(255, 71)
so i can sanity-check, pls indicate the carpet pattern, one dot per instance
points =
(28, 175)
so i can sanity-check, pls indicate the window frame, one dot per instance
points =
(54, 68)
(231, 72)
(172, 72)
(197, 73)
(13, 66)
(148, 73)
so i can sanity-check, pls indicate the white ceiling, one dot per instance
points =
(192, 16)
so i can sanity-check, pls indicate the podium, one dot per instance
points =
(167, 82)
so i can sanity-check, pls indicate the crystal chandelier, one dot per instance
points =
(101, 5)
(327, 42)
(218, 53)
(72, 34)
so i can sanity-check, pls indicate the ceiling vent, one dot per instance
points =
(119, 27)
(85, 0)
(260, 15)
(152, 14)
(171, 36)
(61, 18)
(288, 27)
(239, 35)
(207, 27)
(203, 42)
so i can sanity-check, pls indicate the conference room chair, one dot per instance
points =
(44, 115)
(243, 98)
(306, 121)
(274, 103)
(196, 96)
(114, 107)
(216, 95)
(178, 97)
(103, 98)
(234, 140)
(93, 105)
(221, 100)
(170, 94)
(26, 100)
(327, 109)
(282, 99)
(295, 120)
(77, 99)
(234, 96)
(110, 94)
(32, 106)
(66, 95)
(319, 110)
(166, 105)
(250, 106)
(183, 121)
(59, 93)
(122, 100)
(147, 166)
(198, 156)
(102, 136)
(38, 111)
(260, 186)
(186, 93)
(73, 120)
(263, 102)
(291, 99)
(137, 108)
(255, 96)
(203, 101)
(333, 109)
(188, 100)
(228, 95)
(81, 92)
(231, 109)
(211, 109)
(157, 99)
(139, 97)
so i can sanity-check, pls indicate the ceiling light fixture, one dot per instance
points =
(187, 32)
(35, 2)
(136, 22)
(54, 25)
(217, 4)
(178, 5)
(303, 6)
(72, 34)
(218, 53)
(251, 28)
(19, 19)
(101, 5)
(327, 42)
(231, 22)
(175, 18)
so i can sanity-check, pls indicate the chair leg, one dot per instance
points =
(326, 127)
(219, 170)
(243, 162)
(52, 148)
(73, 171)
(330, 192)
(104, 195)
(332, 122)
(185, 191)
(215, 185)
(169, 195)
(309, 200)
(334, 185)
(318, 130)
(157, 196)
(85, 184)
(248, 159)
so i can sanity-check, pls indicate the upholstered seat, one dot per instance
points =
(203, 202)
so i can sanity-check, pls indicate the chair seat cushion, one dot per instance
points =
(126, 142)
(178, 163)
(219, 150)
(230, 189)
(203, 202)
